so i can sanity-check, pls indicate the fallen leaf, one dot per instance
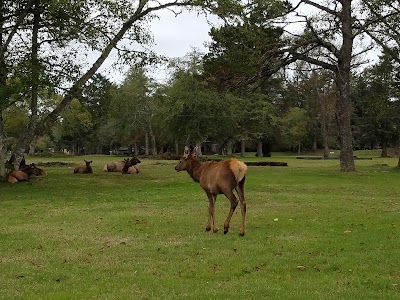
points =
(347, 231)
(301, 268)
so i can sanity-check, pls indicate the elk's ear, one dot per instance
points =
(186, 152)
(194, 152)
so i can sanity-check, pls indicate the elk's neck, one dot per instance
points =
(195, 170)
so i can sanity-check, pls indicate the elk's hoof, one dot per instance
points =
(208, 228)
(226, 229)
(215, 230)
(241, 234)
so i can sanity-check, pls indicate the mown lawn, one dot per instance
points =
(312, 233)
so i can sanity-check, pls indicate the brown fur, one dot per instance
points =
(117, 166)
(32, 170)
(133, 170)
(84, 169)
(129, 167)
(17, 176)
(217, 178)
(26, 173)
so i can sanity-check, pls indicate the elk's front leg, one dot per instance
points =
(211, 213)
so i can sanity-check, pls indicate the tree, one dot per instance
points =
(97, 96)
(376, 107)
(74, 128)
(328, 42)
(314, 91)
(78, 25)
(131, 110)
(296, 123)
(235, 64)
(192, 111)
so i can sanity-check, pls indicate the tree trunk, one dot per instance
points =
(153, 144)
(176, 147)
(344, 106)
(3, 149)
(198, 145)
(384, 152)
(259, 148)
(242, 148)
(32, 147)
(136, 147)
(298, 148)
(146, 144)
(325, 144)
(229, 147)
(266, 149)
(153, 141)
(344, 123)
(314, 145)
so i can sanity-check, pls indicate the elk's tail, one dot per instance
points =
(105, 168)
(239, 169)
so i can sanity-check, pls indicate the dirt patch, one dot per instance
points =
(56, 164)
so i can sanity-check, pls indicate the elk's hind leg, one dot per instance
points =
(211, 213)
(240, 190)
(234, 202)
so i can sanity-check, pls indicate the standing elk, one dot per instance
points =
(117, 166)
(215, 178)
(84, 169)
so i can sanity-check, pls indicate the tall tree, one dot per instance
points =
(95, 25)
(74, 128)
(296, 123)
(377, 110)
(328, 42)
(97, 98)
(131, 109)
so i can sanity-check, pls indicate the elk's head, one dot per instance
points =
(187, 157)
(32, 170)
(135, 160)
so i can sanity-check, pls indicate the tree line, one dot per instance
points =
(261, 84)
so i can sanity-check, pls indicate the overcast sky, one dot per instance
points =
(174, 36)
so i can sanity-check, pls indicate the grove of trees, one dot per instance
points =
(264, 84)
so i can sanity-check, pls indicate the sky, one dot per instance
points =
(174, 36)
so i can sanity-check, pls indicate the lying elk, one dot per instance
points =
(32, 170)
(117, 166)
(217, 178)
(84, 169)
(129, 168)
(17, 176)
(26, 173)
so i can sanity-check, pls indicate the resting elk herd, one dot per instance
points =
(27, 172)
(215, 177)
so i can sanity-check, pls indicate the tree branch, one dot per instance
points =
(321, 7)
(73, 92)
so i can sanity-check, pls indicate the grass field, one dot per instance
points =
(312, 233)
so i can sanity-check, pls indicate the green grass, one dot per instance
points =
(113, 236)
